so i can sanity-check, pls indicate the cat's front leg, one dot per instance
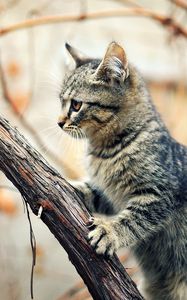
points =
(142, 217)
(86, 192)
(93, 198)
(104, 237)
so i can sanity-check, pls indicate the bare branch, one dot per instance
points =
(180, 3)
(164, 20)
(64, 213)
(79, 291)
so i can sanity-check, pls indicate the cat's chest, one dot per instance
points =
(105, 174)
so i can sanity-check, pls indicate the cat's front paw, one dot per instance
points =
(104, 237)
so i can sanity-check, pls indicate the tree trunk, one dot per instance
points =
(64, 213)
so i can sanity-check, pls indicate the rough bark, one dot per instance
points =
(64, 213)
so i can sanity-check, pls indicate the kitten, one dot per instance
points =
(138, 172)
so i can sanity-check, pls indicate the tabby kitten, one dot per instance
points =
(138, 172)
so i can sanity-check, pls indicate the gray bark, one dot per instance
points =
(64, 213)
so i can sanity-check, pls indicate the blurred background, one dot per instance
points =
(33, 62)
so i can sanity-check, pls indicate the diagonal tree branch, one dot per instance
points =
(64, 213)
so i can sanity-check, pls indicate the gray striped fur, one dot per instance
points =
(138, 172)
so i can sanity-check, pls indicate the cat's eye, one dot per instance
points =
(76, 105)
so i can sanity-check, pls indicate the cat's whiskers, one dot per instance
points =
(84, 146)
(77, 142)
(49, 74)
(74, 142)
(59, 143)
(65, 142)
(71, 139)
(47, 117)
(51, 133)
(54, 88)
(47, 150)
(49, 128)
(79, 152)
(51, 83)
(76, 138)
(83, 139)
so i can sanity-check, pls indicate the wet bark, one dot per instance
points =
(64, 213)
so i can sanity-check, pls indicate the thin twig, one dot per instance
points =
(33, 248)
(181, 3)
(164, 20)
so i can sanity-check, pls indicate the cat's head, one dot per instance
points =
(92, 94)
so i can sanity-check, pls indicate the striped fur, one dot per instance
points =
(138, 172)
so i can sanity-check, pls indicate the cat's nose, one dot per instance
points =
(61, 124)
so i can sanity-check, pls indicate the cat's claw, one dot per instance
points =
(103, 238)
(90, 223)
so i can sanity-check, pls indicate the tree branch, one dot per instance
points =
(79, 291)
(164, 20)
(180, 3)
(64, 213)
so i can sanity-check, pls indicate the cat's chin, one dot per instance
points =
(78, 135)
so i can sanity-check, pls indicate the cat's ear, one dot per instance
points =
(79, 58)
(114, 66)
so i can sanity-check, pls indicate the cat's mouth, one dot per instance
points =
(74, 131)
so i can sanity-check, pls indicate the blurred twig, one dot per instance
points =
(168, 22)
(181, 3)
(8, 5)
